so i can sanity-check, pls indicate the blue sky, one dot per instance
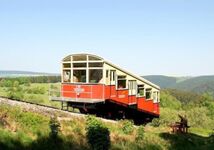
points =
(168, 37)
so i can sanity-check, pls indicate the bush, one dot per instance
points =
(15, 91)
(36, 90)
(6, 83)
(169, 101)
(168, 116)
(155, 122)
(127, 126)
(198, 117)
(97, 134)
(140, 133)
(15, 95)
(54, 126)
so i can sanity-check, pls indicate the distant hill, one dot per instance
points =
(162, 81)
(200, 85)
(165, 81)
(13, 73)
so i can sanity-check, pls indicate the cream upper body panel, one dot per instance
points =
(69, 61)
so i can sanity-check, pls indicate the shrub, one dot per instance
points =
(127, 126)
(6, 83)
(54, 126)
(168, 116)
(15, 91)
(140, 133)
(211, 137)
(29, 121)
(155, 122)
(198, 117)
(97, 134)
(36, 90)
(169, 101)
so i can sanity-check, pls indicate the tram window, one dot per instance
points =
(106, 73)
(154, 96)
(79, 65)
(93, 58)
(79, 76)
(148, 94)
(121, 82)
(66, 75)
(97, 64)
(80, 58)
(95, 75)
(140, 90)
(112, 75)
(66, 65)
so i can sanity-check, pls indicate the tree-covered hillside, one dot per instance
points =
(162, 81)
(200, 85)
(197, 84)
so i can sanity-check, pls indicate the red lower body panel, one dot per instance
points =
(99, 91)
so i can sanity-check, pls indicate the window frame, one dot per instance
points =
(144, 91)
(150, 90)
(122, 79)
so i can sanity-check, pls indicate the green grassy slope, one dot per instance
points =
(27, 130)
(34, 92)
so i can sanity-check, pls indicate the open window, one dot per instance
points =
(79, 65)
(140, 90)
(67, 65)
(149, 93)
(121, 82)
(95, 64)
(79, 76)
(67, 76)
(82, 68)
(79, 58)
(93, 58)
(95, 75)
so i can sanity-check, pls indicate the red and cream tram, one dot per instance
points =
(96, 86)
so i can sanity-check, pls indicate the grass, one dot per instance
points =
(27, 130)
(30, 130)
(35, 93)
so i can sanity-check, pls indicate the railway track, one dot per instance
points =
(52, 107)
(49, 110)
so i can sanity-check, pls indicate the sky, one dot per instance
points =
(146, 37)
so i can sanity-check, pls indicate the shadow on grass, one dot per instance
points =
(42, 143)
(188, 141)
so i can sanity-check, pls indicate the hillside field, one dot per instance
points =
(27, 130)
(20, 129)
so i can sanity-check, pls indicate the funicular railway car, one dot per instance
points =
(96, 86)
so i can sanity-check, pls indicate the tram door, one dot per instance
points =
(132, 91)
(113, 83)
(132, 87)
